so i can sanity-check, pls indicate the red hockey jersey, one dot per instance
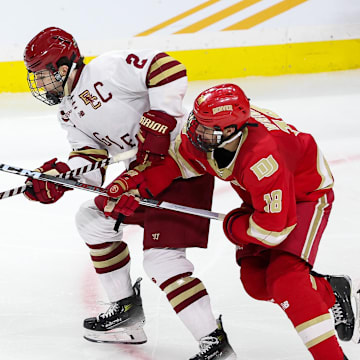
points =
(274, 167)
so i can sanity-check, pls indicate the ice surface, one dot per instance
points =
(47, 282)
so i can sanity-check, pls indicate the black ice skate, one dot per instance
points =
(342, 310)
(215, 346)
(122, 323)
(356, 300)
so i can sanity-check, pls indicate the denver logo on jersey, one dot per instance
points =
(265, 167)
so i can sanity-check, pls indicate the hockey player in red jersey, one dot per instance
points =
(286, 185)
(119, 101)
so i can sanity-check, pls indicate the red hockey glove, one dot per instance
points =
(154, 135)
(128, 180)
(124, 194)
(125, 205)
(44, 191)
(231, 217)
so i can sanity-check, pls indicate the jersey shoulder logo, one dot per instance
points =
(265, 167)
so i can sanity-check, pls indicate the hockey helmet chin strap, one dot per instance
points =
(230, 138)
(236, 134)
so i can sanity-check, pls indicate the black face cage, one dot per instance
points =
(203, 138)
(56, 94)
(52, 97)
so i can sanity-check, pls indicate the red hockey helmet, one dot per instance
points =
(216, 109)
(48, 47)
(47, 51)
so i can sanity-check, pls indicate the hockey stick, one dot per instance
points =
(77, 172)
(73, 184)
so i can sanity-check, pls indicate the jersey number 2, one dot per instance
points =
(133, 59)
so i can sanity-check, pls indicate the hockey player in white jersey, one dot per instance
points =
(100, 107)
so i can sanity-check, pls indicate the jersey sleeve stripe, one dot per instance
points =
(167, 76)
(164, 69)
(158, 64)
(269, 238)
(90, 154)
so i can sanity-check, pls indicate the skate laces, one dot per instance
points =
(114, 307)
(338, 313)
(206, 344)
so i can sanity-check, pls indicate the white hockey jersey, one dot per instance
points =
(108, 97)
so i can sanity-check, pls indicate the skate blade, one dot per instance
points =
(356, 300)
(231, 357)
(117, 336)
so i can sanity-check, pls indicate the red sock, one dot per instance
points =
(325, 290)
(292, 288)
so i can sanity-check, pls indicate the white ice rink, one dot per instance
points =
(47, 282)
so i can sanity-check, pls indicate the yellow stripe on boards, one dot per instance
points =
(13, 77)
(177, 18)
(228, 63)
(270, 60)
(217, 16)
(265, 15)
